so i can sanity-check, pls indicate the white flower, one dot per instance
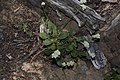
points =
(64, 64)
(82, 1)
(68, 63)
(55, 54)
(83, 6)
(86, 44)
(96, 36)
(43, 3)
(42, 28)
(71, 63)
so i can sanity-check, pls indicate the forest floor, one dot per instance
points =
(19, 25)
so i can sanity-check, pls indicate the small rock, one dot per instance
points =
(84, 67)
(9, 56)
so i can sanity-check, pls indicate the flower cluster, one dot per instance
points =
(55, 54)
(70, 63)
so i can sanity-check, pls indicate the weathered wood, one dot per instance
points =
(111, 1)
(72, 9)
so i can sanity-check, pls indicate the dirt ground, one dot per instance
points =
(16, 43)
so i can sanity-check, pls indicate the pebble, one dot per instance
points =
(84, 67)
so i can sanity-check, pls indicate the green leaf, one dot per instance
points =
(82, 54)
(52, 28)
(59, 46)
(74, 44)
(47, 42)
(53, 46)
(79, 39)
(54, 32)
(43, 35)
(29, 33)
(108, 77)
(74, 54)
(59, 62)
(70, 48)
(118, 70)
(63, 35)
(48, 52)
(50, 25)
(118, 77)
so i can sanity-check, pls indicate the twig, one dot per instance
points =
(34, 57)
(33, 51)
